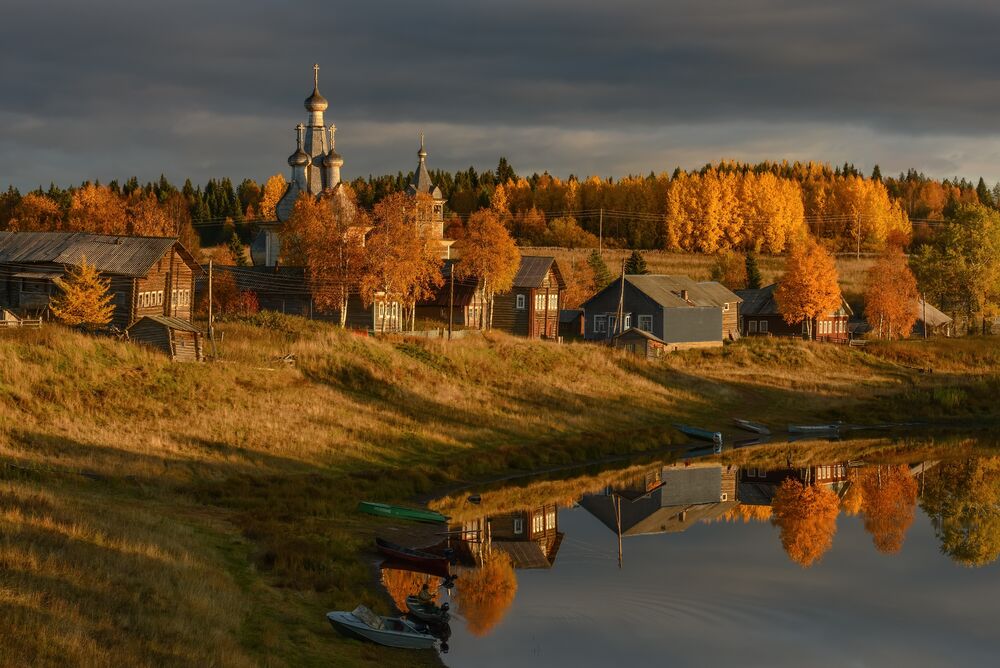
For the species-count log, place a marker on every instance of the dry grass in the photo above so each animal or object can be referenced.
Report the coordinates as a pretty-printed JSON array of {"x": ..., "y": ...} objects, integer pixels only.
[
  {"x": 699, "y": 267},
  {"x": 156, "y": 513}
]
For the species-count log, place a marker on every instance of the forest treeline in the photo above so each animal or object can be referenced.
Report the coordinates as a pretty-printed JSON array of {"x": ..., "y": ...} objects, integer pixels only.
[{"x": 728, "y": 205}]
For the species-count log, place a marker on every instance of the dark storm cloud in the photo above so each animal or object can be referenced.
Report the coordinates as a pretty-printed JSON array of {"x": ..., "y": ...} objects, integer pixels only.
[{"x": 102, "y": 90}]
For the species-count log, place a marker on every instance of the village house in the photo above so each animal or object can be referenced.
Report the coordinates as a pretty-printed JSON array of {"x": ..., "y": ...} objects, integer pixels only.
[
  {"x": 757, "y": 486},
  {"x": 930, "y": 322},
  {"x": 668, "y": 312},
  {"x": 532, "y": 306},
  {"x": 759, "y": 316},
  {"x": 669, "y": 499},
  {"x": 148, "y": 276},
  {"x": 531, "y": 537},
  {"x": 462, "y": 300}
]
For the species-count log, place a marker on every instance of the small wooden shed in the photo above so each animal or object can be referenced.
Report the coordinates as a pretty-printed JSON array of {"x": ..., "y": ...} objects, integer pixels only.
[
  {"x": 641, "y": 343},
  {"x": 177, "y": 338}
]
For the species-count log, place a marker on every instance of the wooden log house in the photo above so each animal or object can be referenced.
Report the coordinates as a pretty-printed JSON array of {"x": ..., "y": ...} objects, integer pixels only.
[
  {"x": 532, "y": 306},
  {"x": 148, "y": 276},
  {"x": 759, "y": 316}
]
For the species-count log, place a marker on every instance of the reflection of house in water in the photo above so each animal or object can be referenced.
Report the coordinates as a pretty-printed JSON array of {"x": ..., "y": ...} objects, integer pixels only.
[
  {"x": 667, "y": 499},
  {"x": 757, "y": 486},
  {"x": 531, "y": 537}
]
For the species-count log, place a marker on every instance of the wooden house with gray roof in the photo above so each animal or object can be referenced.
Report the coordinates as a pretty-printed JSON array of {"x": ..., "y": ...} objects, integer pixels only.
[
  {"x": 675, "y": 310},
  {"x": 148, "y": 276},
  {"x": 760, "y": 316},
  {"x": 531, "y": 308}
]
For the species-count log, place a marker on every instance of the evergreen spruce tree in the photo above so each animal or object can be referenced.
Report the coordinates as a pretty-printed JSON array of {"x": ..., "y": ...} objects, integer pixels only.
[
  {"x": 877, "y": 174},
  {"x": 84, "y": 299},
  {"x": 236, "y": 250},
  {"x": 984, "y": 194},
  {"x": 754, "y": 279},
  {"x": 636, "y": 264},
  {"x": 602, "y": 277}
]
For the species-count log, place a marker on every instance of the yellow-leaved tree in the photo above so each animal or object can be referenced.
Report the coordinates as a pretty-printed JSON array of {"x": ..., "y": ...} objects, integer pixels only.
[
  {"x": 83, "y": 299},
  {"x": 809, "y": 288},
  {"x": 274, "y": 188},
  {"x": 891, "y": 295},
  {"x": 807, "y": 517},
  {"x": 489, "y": 255},
  {"x": 484, "y": 594}
]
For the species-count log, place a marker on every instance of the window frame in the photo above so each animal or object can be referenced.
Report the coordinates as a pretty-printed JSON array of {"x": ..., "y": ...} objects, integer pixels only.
[
  {"x": 601, "y": 324},
  {"x": 645, "y": 318},
  {"x": 520, "y": 302}
]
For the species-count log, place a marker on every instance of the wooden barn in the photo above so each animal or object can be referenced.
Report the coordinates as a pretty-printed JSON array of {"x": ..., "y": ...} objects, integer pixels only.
[
  {"x": 673, "y": 309},
  {"x": 759, "y": 316},
  {"x": 532, "y": 306},
  {"x": 148, "y": 275},
  {"x": 178, "y": 338}
]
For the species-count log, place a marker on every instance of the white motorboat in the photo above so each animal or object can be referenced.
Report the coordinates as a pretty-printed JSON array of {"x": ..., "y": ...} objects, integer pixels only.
[{"x": 389, "y": 631}]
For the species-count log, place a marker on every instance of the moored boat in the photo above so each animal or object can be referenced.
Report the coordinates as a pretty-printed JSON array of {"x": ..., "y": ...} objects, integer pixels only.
[
  {"x": 814, "y": 428},
  {"x": 750, "y": 425},
  {"x": 398, "y": 552},
  {"x": 401, "y": 512},
  {"x": 703, "y": 434},
  {"x": 427, "y": 612},
  {"x": 389, "y": 631}
]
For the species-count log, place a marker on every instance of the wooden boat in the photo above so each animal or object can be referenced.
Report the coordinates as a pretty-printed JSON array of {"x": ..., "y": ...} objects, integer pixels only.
[
  {"x": 750, "y": 425},
  {"x": 439, "y": 570},
  {"x": 703, "y": 434},
  {"x": 408, "y": 554},
  {"x": 814, "y": 428},
  {"x": 400, "y": 512},
  {"x": 427, "y": 612},
  {"x": 389, "y": 631}
]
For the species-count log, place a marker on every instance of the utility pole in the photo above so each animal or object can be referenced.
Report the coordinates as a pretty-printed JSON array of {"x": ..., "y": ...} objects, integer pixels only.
[
  {"x": 620, "y": 325},
  {"x": 211, "y": 329},
  {"x": 600, "y": 233},
  {"x": 858, "y": 256},
  {"x": 923, "y": 301},
  {"x": 451, "y": 300}
]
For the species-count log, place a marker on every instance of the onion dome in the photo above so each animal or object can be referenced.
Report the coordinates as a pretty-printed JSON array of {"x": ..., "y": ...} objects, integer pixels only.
[
  {"x": 300, "y": 157},
  {"x": 316, "y": 102},
  {"x": 333, "y": 158}
]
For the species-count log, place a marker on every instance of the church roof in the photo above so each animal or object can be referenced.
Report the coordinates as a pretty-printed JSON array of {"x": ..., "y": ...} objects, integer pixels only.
[{"x": 421, "y": 182}]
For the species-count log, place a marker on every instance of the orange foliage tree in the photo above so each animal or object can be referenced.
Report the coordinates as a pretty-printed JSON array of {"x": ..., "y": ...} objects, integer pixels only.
[
  {"x": 484, "y": 594},
  {"x": 98, "y": 210},
  {"x": 807, "y": 517},
  {"x": 401, "y": 262},
  {"x": 808, "y": 289},
  {"x": 891, "y": 295},
  {"x": 730, "y": 269},
  {"x": 274, "y": 188},
  {"x": 84, "y": 299},
  {"x": 36, "y": 213},
  {"x": 889, "y": 503},
  {"x": 326, "y": 236},
  {"x": 489, "y": 255}
]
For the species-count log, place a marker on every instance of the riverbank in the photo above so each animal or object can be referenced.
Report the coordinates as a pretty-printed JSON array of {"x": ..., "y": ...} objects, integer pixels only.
[{"x": 166, "y": 514}]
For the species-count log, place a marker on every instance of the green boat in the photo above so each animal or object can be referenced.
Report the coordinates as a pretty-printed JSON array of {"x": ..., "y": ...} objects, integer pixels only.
[
  {"x": 703, "y": 434},
  {"x": 400, "y": 513}
]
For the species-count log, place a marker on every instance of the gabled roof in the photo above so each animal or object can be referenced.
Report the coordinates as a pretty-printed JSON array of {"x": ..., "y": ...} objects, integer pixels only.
[
  {"x": 934, "y": 317},
  {"x": 569, "y": 315},
  {"x": 632, "y": 331},
  {"x": 761, "y": 301},
  {"x": 121, "y": 255},
  {"x": 533, "y": 269},
  {"x": 666, "y": 290}
]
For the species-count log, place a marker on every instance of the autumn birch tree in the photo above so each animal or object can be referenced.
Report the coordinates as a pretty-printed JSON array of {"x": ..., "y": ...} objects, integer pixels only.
[
  {"x": 807, "y": 517},
  {"x": 809, "y": 288},
  {"x": 891, "y": 296},
  {"x": 489, "y": 255}
]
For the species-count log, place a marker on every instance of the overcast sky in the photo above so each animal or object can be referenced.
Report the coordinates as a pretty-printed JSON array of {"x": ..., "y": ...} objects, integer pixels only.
[{"x": 113, "y": 89}]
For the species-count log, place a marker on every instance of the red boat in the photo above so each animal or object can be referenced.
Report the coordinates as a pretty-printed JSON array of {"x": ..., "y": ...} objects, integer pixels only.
[{"x": 427, "y": 562}]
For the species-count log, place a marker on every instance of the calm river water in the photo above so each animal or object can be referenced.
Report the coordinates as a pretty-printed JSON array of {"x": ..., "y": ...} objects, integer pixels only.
[{"x": 874, "y": 561}]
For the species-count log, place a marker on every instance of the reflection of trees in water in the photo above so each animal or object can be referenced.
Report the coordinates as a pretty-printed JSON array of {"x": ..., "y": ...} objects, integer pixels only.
[
  {"x": 400, "y": 584},
  {"x": 962, "y": 498},
  {"x": 807, "y": 517},
  {"x": 888, "y": 501},
  {"x": 484, "y": 594},
  {"x": 747, "y": 513}
]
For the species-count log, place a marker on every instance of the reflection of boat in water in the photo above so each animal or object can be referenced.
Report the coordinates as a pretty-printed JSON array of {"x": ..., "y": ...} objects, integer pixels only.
[
  {"x": 750, "y": 425},
  {"x": 436, "y": 563},
  {"x": 400, "y": 512},
  {"x": 701, "y": 434},
  {"x": 747, "y": 442},
  {"x": 814, "y": 428},
  {"x": 427, "y": 612},
  {"x": 389, "y": 631},
  {"x": 438, "y": 570}
]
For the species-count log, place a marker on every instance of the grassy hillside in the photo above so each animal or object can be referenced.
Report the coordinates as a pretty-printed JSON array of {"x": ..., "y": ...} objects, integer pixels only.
[{"x": 163, "y": 514}]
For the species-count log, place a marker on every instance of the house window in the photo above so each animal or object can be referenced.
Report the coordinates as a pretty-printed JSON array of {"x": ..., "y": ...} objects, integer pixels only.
[
  {"x": 518, "y": 526},
  {"x": 553, "y": 301},
  {"x": 763, "y": 326},
  {"x": 753, "y": 327},
  {"x": 628, "y": 320},
  {"x": 550, "y": 519},
  {"x": 646, "y": 323},
  {"x": 159, "y": 297},
  {"x": 520, "y": 301},
  {"x": 725, "y": 307},
  {"x": 612, "y": 324},
  {"x": 600, "y": 324},
  {"x": 537, "y": 523}
]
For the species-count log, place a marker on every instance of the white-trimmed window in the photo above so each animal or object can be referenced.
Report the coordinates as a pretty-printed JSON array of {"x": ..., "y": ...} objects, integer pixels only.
[
  {"x": 537, "y": 522},
  {"x": 550, "y": 519},
  {"x": 520, "y": 302},
  {"x": 600, "y": 324},
  {"x": 752, "y": 327},
  {"x": 646, "y": 323},
  {"x": 159, "y": 297},
  {"x": 725, "y": 307},
  {"x": 518, "y": 526},
  {"x": 763, "y": 326},
  {"x": 553, "y": 301},
  {"x": 628, "y": 321}
]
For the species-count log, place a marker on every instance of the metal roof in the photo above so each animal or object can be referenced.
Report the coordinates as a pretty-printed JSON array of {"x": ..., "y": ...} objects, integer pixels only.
[
  {"x": 168, "y": 321},
  {"x": 761, "y": 301},
  {"x": 533, "y": 269},
  {"x": 666, "y": 290},
  {"x": 718, "y": 293},
  {"x": 633, "y": 331},
  {"x": 121, "y": 255},
  {"x": 935, "y": 318}
]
